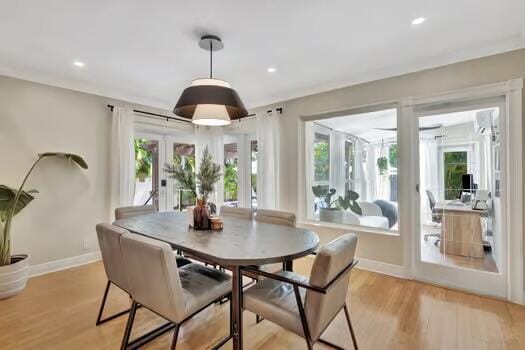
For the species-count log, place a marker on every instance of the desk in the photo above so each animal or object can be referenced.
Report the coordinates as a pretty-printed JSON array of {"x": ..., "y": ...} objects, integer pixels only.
[
  {"x": 241, "y": 243},
  {"x": 461, "y": 232}
]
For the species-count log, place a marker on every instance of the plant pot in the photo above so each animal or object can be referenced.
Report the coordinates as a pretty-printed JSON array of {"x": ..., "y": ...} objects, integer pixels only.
[
  {"x": 331, "y": 215},
  {"x": 13, "y": 277}
]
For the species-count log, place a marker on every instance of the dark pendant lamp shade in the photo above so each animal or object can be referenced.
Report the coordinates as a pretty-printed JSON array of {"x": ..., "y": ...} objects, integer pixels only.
[{"x": 210, "y": 101}]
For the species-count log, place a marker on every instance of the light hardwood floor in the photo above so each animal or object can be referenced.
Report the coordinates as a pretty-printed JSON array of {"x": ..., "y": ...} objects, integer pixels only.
[{"x": 58, "y": 311}]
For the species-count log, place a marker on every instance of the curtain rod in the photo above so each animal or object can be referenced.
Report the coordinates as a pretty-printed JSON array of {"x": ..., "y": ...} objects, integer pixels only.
[
  {"x": 180, "y": 119},
  {"x": 343, "y": 132}
]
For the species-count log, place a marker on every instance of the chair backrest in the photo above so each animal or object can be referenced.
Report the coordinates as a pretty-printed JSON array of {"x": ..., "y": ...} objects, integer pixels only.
[
  {"x": 126, "y": 212},
  {"x": 109, "y": 242},
  {"x": 431, "y": 199},
  {"x": 275, "y": 217},
  {"x": 154, "y": 276},
  {"x": 239, "y": 213},
  {"x": 331, "y": 259}
]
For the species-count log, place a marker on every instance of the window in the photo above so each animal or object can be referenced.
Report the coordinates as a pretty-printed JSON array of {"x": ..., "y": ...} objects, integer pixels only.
[
  {"x": 455, "y": 164},
  {"x": 253, "y": 177},
  {"x": 184, "y": 155},
  {"x": 352, "y": 170},
  {"x": 231, "y": 161},
  {"x": 322, "y": 157}
]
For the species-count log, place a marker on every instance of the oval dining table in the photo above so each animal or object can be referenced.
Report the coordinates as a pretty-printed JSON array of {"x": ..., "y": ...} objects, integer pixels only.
[{"x": 242, "y": 242}]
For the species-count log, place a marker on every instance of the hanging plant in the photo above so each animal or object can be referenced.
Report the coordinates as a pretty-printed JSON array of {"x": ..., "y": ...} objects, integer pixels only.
[{"x": 382, "y": 165}]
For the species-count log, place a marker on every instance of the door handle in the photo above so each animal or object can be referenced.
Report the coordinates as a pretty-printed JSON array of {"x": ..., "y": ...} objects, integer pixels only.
[
  {"x": 417, "y": 188},
  {"x": 163, "y": 182}
]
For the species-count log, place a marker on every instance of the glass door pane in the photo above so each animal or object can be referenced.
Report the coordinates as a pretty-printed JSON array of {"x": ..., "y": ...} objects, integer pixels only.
[
  {"x": 146, "y": 171},
  {"x": 184, "y": 159}
]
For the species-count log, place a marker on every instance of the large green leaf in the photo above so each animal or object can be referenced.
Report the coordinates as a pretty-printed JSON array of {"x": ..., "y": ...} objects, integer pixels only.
[
  {"x": 7, "y": 197},
  {"x": 74, "y": 157}
]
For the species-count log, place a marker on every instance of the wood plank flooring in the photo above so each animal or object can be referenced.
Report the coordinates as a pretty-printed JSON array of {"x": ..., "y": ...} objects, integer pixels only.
[{"x": 58, "y": 311}]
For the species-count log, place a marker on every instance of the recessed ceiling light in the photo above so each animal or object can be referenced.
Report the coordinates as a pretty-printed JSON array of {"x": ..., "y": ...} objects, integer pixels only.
[
  {"x": 418, "y": 20},
  {"x": 78, "y": 63},
  {"x": 271, "y": 70}
]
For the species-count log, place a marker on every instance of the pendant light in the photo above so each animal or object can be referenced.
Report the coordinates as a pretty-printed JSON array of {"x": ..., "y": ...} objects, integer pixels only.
[{"x": 210, "y": 101}]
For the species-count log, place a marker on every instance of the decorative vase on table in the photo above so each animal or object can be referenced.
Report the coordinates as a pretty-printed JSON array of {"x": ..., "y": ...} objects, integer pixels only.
[{"x": 201, "y": 216}]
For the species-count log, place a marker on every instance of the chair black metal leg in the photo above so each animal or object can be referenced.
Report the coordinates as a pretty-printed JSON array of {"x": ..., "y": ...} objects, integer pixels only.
[
  {"x": 175, "y": 336},
  {"x": 352, "y": 333},
  {"x": 129, "y": 325},
  {"x": 103, "y": 305},
  {"x": 304, "y": 321},
  {"x": 330, "y": 344}
]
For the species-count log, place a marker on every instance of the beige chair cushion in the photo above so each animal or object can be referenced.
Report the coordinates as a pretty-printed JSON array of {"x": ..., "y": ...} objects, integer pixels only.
[
  {"x": 159, "y": 285},
  {"x": 275, "y": 217},
  {"x": 276, "y": 301},
  {"x": 239, "y": 213},
  {"x": 126, "y": 212},
  {"x": 109, "y": 243},
  {"x": 331, "y": 259},
  {"x": 201, "y": 285}
]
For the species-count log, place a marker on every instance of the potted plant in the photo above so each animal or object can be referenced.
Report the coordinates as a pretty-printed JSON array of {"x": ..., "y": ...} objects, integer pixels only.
[
  {"x": 202, "y": 184},
  {"x": 382, "y": 165},
  {"x": 349, "y": 201},
  {"x": 14, "y": 268},
  {"x": 327, "y": 212}
]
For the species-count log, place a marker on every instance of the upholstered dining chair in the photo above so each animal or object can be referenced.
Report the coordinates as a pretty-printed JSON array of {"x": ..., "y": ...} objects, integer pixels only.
[
  {"x": 176, "y": 294},
  {"x": 126, "y": 212},
  {"x": 237, "y": 212},
  {"x": 109, "y": 242},
  {"x": 275, "y": 217},
  {"x": 307, "y": 306}
]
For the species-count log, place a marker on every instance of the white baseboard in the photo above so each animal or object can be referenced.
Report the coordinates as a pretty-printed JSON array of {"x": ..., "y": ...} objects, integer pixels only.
[
  {"x": 379, "y": 267},
  {"x": 62, "y": 264},
  {"x": 382, "y": 267}
]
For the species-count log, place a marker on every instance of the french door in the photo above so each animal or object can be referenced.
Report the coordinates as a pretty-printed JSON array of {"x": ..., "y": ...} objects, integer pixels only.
[
  {"x": 460, "y": 157},
  {"x": 152, "y": 184}
]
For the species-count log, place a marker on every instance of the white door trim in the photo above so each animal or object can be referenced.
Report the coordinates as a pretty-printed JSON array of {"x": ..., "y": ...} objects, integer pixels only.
[{"x": 512, "y": 91}]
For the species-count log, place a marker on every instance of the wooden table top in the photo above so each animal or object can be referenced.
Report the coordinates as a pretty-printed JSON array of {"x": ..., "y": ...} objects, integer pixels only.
[
  {"x": 458, "y": 206},
  {"x": 241, "y": 242}
]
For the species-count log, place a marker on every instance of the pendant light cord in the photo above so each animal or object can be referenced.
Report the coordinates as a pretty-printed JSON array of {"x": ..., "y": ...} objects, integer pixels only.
[{"x": 211, "y": 60}]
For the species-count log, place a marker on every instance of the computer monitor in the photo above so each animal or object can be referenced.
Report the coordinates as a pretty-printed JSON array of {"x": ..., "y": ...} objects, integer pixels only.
[
  {"x": 467, "y": 186},
  {"x": 467, "y": 182}
]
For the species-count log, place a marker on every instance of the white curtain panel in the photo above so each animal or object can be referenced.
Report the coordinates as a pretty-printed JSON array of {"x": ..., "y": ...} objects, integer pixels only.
[
  {"x": 371, "y": 171},
  {"x": 429, "y": 177},
  {"x": 268, "y": 140},
  {"x": 337, "y": 162},
  {"x": 213, "y": 138},
  {"x": 122, "y": 158},
  {"x": 244, "y": 190},
  {"x": 361, "y": 180}
]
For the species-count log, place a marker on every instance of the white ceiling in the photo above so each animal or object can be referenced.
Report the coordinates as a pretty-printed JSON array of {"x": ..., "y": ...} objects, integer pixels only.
[
  {"x": 366, "y": 125},
  {"x": 146, "y": 51}
]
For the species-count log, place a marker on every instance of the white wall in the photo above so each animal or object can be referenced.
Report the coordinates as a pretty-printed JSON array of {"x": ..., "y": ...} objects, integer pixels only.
[{"x": 60, "y": 222}]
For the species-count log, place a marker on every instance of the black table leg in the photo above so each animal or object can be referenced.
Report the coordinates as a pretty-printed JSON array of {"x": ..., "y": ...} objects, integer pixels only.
[
  {"x": 288, "y": 265},
  {"x": 237, "y": 307}
]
